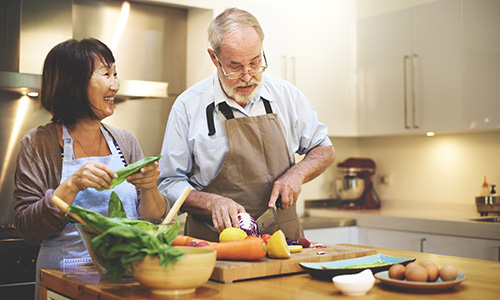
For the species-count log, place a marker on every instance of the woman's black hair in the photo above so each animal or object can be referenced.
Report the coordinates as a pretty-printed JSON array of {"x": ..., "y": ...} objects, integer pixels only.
[{"x": 67, "y": 70}]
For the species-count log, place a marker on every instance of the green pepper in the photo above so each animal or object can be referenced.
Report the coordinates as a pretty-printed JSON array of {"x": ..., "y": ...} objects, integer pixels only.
[{"x": 123, "y": 173}]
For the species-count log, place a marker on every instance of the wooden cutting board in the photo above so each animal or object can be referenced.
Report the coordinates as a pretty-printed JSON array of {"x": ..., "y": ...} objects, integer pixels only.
[{"x": 228, "y": 271}]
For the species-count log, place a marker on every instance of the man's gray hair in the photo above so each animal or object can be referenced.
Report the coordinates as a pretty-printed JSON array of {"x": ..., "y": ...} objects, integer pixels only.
[{"x": 228, "y": 21}]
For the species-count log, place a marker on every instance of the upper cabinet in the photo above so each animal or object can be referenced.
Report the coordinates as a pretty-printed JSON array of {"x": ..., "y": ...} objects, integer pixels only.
[
  {"x": 482, "y": 63},
  {"x": 313, "y": 46},
  {"x": 410, "y": 70}
]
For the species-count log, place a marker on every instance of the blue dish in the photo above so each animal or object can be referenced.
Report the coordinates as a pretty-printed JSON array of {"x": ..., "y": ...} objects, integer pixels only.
[{"x": 327, "y": 270}]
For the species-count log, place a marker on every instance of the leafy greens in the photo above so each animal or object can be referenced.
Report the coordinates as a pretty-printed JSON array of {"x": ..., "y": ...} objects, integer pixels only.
[{"x": 117, "y": 241}]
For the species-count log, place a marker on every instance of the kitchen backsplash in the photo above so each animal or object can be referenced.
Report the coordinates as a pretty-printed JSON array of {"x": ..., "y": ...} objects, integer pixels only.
[{"x": 446, "y": 168}]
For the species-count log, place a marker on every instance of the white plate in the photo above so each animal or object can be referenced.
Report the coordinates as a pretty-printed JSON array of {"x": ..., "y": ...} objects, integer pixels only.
[{"x": 437, "y": 286}]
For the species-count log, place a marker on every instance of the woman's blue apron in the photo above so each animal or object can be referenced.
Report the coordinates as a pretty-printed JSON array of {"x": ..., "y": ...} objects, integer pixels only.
[{"x": 64, "y": 248}]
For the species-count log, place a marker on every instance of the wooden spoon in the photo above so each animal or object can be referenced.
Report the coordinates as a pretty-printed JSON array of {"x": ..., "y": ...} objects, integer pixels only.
[
  {"x": 178, "y": 203},
  {"x": 63, "y": 206}
]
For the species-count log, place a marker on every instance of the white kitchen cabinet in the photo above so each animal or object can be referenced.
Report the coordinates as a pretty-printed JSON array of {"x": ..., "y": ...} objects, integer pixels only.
[
  {"x": 430, "y": 243},
  {"x": 333, "y": 235},
  {"x": 410, "y": 70},
  {"x": 482, "y": 63},
  {"x": 313, "y": 46},
  {"x": 392, "y": 239}
]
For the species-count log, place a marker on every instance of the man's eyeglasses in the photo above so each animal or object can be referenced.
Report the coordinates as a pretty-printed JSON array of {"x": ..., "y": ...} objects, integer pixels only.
[{"x": 251, "y": 72}]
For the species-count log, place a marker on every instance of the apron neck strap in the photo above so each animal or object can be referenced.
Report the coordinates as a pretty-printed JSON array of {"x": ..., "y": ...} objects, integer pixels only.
[
  {"x": 68, "y": 154},
  {"x": 267, "y": 106},
  {"x": 228, "y": 113}
]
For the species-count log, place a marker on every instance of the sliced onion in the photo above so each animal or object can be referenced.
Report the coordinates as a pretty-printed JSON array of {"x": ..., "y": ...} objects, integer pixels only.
[{"x": 247, "y": 223}]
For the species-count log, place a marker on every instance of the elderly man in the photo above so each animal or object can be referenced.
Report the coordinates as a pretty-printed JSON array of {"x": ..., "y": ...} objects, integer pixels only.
[{"x": 232, "y": 137}]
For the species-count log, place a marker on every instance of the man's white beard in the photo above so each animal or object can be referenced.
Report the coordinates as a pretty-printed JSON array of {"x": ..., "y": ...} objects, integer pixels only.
[{"x": 232, "y": 92}]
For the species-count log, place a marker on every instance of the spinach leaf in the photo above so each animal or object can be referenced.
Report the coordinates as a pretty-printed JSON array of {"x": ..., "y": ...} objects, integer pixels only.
[
  {"x": 119, "y": 246},
  {"x": 115, "y": 207},
  {"x": 97, "y": 221},
  {"x": 121, "y": 240},
  {"x": 125, "y": 172}
]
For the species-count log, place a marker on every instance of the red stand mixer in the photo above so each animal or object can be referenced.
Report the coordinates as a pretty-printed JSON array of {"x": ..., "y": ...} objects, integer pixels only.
[{"x": 355, "y": 188}]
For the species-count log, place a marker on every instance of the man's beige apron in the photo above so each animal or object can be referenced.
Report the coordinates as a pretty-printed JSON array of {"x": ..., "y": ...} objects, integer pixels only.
[{"x": 257, "y": 156}]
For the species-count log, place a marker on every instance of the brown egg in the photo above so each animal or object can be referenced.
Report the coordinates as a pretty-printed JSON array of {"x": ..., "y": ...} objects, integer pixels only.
[
  {"x": 416, "y": 273},
  {"x": 448, "y": 272},
  {"x": 397, "y": 271},
  {"x": 431, "y": 268},
  {"x": 411, "y": 265}
]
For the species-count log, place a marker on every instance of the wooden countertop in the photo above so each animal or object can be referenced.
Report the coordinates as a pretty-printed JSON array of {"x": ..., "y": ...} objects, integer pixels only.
[{"x": 482, "y": 283}]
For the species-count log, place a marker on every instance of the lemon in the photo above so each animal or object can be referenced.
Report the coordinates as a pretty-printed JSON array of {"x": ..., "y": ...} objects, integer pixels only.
[
  {"x": 232, "y": 234},
  {"x": 295, "y": 248},
  {"x": 277, "y": 246}
]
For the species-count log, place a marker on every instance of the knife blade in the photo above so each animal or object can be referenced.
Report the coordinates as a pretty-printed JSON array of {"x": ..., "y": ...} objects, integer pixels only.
[{"x": 269, "y": 217}]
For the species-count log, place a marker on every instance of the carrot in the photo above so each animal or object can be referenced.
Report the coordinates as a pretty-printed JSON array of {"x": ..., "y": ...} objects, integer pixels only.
[
  {"x": 251, "y": 248},
  {"x": 184, "y": 240},
  {"x": 248, "y": 249}
]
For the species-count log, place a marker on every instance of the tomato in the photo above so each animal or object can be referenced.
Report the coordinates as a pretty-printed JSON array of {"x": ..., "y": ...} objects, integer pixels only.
[{"x": 266, "y": 237}]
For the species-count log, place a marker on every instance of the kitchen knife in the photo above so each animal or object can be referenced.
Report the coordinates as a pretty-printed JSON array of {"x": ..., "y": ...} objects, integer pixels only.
[{"x": 269, "y": 217}]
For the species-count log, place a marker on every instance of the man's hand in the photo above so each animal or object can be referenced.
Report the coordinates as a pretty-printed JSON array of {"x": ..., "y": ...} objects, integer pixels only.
[
  {"x": 289, "y": 185},
  {"x": 225, "y": 213}
]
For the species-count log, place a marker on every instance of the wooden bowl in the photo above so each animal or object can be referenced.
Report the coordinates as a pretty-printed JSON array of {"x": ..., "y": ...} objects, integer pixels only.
[
  {"x": 87, "y": 234},
  {"x": 180, "y": 278}
]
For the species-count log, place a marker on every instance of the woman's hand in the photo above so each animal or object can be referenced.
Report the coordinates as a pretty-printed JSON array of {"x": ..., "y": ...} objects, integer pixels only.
[
  {"x": 147, "y": 177},
  {"x": 152, "y": 204},
  {"x": 91, "y": 175}
]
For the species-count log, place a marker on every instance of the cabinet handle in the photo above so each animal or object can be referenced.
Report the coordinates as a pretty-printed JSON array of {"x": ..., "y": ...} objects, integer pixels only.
[
  {"x": 414, "y": 90},
  {"x": 405, "y": 91},
  {"x": 422, "y": 244}
]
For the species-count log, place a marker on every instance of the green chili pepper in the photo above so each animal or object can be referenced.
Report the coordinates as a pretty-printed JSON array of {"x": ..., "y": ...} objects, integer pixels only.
[{"x": 123, "y": 173}]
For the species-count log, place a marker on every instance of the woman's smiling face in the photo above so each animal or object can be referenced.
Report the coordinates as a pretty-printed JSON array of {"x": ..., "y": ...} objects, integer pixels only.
[{"x": 103, "y": 86}]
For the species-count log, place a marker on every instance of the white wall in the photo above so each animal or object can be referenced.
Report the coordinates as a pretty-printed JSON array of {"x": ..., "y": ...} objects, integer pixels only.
[
  {"x": 446, "y": 168},
  {"x": 366, "y": 8}
]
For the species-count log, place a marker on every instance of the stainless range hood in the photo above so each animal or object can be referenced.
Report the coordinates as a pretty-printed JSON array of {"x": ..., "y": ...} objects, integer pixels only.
[
  {"x": 151, "y": 62},
  {"x": 24, "y": 84},
  {"x": 148, "y": 41},
  {"x": 148, "y": 54},
  {"x": 20, "y": 83}
]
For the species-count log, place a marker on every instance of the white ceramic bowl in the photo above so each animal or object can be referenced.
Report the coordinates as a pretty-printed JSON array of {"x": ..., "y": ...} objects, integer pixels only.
[
  {"x": 355, "y": 284},
  {"x": 179, "y": 278}
]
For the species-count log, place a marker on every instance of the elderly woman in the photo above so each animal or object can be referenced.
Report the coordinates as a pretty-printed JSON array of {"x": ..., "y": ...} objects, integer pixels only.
[{"x": 76, "y": 155}]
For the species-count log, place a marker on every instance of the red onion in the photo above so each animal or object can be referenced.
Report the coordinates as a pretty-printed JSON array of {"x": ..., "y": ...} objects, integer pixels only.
[
  {"x": 304, "y": 242},
  {"x": 202, "y": 244},
  {"x": 247, "y": 223}
]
